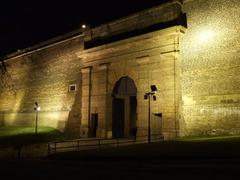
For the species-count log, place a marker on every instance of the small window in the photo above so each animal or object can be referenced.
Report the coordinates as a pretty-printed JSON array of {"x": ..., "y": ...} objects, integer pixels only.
[{"x": 72, "y": 88}]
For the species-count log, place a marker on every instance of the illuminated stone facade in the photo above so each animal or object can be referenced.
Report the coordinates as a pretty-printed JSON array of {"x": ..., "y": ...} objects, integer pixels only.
[
  {"x": 82, "y": 82},
  {"x": 146, "y": 59},
  {"x": 210, "y": 68},
  {"x": 42, "y": 76}
]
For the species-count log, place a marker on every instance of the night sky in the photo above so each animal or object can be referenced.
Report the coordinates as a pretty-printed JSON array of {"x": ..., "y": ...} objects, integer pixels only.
[{"x": 25, "y": 23}]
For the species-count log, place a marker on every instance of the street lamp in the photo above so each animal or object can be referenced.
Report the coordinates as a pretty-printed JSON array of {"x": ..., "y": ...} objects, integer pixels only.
[
  {"x": 36, "y": 109},
  {"x": 148, "y": 96},
  {"x": 84, "y": 26}
]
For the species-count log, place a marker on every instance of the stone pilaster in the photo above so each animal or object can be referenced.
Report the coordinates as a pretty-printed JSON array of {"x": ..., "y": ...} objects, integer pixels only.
[
  {"x": 86, "y": 101},
  {"x": 102, "y": 99}
]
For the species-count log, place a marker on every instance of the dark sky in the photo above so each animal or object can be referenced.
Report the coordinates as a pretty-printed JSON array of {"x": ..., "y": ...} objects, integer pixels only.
[{"x": 25, "y": 23}]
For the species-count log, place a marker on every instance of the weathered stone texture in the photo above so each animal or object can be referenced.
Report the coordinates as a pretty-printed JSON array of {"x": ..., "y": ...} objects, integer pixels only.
[
  {"x": 147, "y": 59},
  {"x": 197, "y": 74},
  {"x": 43, "y": 76},
  {"x": 210, "y": 68}
]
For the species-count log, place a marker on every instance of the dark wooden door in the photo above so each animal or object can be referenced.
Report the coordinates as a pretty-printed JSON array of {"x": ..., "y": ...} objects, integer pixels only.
[
  {"x": 118, "y": 118},
  {"x": 93, "y": 125}
]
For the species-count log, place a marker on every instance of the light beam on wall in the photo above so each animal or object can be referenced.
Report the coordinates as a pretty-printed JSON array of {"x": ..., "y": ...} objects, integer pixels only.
[{"x": 206, "y": 36}]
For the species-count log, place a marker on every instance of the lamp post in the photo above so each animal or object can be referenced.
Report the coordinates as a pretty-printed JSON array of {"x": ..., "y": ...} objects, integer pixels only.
[
  {"x": 36, "y": 108},
  {"x": 148, "y": 96}
]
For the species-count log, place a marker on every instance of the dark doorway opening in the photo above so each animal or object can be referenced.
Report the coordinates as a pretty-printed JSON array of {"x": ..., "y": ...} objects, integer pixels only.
[
  {"x": 93, "y": 125},
  {"x": 124, "y": 114},
  {"x": 133, "y": 116},
  {"x": 118, "y": 118}
]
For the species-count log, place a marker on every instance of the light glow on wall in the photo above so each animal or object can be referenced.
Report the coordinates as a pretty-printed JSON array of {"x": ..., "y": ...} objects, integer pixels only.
[
  {"x": 206, "y": 35},
  {"x": 210, "y": 67}
]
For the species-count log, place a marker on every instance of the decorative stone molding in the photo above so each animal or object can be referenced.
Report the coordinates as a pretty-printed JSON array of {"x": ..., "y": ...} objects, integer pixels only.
[
  {"x": 86, "y": 70},
  {"x": 103, "y": 66},
  {"x": 142, "y": 59}
]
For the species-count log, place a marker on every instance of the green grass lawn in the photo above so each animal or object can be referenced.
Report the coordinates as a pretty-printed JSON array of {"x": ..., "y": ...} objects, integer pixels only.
[
  {"x": 16, "y": 136},
  {"x": 15, "y": 130}
]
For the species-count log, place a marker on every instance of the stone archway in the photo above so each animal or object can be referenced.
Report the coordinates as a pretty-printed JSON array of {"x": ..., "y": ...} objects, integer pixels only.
[{"x": 124, "y": 105}]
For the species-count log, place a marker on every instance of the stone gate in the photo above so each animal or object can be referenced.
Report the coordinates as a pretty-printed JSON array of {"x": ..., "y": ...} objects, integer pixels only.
[{"x": 146, "y": 59}]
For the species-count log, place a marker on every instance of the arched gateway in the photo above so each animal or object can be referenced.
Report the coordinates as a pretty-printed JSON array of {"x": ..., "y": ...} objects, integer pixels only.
[
  {"x": 112, "y": 103},
  {"x": 124, "y": 105}
]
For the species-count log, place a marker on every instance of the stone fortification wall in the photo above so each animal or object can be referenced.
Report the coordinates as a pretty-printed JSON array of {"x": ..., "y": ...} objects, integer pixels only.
[
  {"x": 211, "y": 68},
  {"x": 160, "y": 14},
  {"x": 42, "y": 75}
]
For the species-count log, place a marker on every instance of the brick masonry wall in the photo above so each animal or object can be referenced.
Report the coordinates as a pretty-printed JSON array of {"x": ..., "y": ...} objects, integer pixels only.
[
  {"x": 207, "y": 83},
  {"x": 211, "y": 68},
  {"x": 43, "y": 76}
]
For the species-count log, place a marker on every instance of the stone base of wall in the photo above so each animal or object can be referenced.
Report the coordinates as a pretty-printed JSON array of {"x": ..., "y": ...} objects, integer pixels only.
[
  {"x": 101, "y": 133},
  {"x": 169, "y": 135},
  {"x": 84, "y": 131}
]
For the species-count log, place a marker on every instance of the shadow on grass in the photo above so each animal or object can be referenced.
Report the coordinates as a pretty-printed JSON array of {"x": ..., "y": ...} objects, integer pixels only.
[
  {"x": 159, "y": 151},
  {"x": 19, "y": 136},
  {"x": 23, "y": 139}
]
